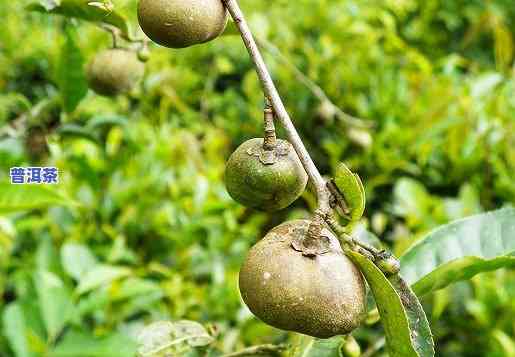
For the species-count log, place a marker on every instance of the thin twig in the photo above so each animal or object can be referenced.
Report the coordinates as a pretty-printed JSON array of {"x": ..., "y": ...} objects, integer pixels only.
[
  {"x": 317, "y": 91},
  {"x": 116, "y": 32},
  {"x": 257, "y": 350},
  {"x": 270, "y": 90}
]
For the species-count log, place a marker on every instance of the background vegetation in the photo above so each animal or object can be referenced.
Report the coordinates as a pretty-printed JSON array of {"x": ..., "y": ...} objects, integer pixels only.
[{"x": 154, "y": 235}]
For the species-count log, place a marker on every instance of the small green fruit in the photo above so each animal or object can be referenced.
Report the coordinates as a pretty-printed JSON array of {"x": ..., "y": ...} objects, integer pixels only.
[
  {"x": 322, "y": 295},
  {"x": 180, "y": 23},
  {"x": 114, "y": 71},
  {"x": 265, "y": 179},
  {"x": 144, "y": 54}
]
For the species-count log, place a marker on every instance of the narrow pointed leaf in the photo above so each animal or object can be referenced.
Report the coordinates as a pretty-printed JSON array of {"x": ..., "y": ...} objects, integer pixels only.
[
  {"x": 351, "y": 187},
  {"x": 15, "y": 330},
  {"x": 23, "y": 328},
  {"x": 421, "y": 335},
  {"x": 392, "y": 312},
  {"x": 54, "y": 300},
  {"x": 460, "y": 250},
  {"x": 70, "y": 74}
]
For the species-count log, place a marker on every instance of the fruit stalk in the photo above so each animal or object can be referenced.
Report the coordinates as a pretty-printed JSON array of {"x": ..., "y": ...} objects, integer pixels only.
[
  {"x": 270, "y": 139},
  {"x": 281, "y": 114}
]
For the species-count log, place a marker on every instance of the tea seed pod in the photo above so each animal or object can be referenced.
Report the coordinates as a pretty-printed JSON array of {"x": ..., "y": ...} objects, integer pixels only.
[
  {"x": 265, "y": 179},
  {"x": 320, "y": 295},
  {"x": 180, "y": 23},
  {"x": 114, "y": 71}
]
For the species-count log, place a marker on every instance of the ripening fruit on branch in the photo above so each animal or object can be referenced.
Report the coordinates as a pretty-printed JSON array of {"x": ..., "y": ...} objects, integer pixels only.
[
  {"x": 320, "y": 295},
  {"x": 114, "y": 71},
  {"x": 181, "y": 23},
  {"x": 265, "y": 179}
]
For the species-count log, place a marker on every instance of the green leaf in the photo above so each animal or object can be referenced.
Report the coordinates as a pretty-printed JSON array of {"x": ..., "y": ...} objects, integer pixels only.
[
  {"x": 231, "y": 29},
  {"x": 363, "y": 235},
  {"x": 23, "y": 330},
  {"x": 46, "y": 255},
  {"x": 132, "y": 287},
  {"x": 351, "y": 187},
  {"x": 77, "y": 344},
  {"x": 411, "y": 199},
  {"x": 460, "y": 250},
  {"x": 54, "y": 301},
  {"x": 393, "y": 316},
  {"x": 77, "y": 131},
  {"x": 164, "y": 337},
  {"x": 77, "y": 260},
  {"x": 421, "y": 335},
  {"x": 101, "y": 275},
  {"x": 50, "y": 4},
  {"x": 14, "y": 328},
  {"x": 314, "y": 347},
  {"x": 506, "y": 342},
  {"x": 93, "y": 11},
  {"x": 71, "y": 78},
  {"x": 101, "y": 121},
  {"x": 26, "y": 197}
]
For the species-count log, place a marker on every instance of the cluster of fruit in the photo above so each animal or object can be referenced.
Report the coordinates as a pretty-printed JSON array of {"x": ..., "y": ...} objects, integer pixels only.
[{"x": 297, "y": 277}]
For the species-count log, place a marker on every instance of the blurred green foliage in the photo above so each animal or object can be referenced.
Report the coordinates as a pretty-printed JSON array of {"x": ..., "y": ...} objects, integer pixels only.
[{"x": 155, "y": 235}]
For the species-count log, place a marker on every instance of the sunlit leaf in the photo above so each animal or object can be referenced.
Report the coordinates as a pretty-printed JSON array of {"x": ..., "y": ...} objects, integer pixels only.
[
  {"x": 23, "y": 328},
  {"x": 460, "y": 250},
  {"x": 101, "y": 275},
  {"x": 485, "y": 84},
  {"x": 15, "y": 330},
  {"x": 54, "y": 300},
  {"x": 25, "y": 197},
  {"x": 506, "y": 342},
  {"x": 77, "y": 260}
]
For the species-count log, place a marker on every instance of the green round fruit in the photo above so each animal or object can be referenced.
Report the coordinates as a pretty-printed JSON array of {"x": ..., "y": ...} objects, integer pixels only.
[
  {"x": 114, "y": 71},
  {"x": 321, "y": 295},
  {"x": 144, "y": 54},
  {"x": 180, "y": 23},
  {"x": 265, "y": 179}
]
